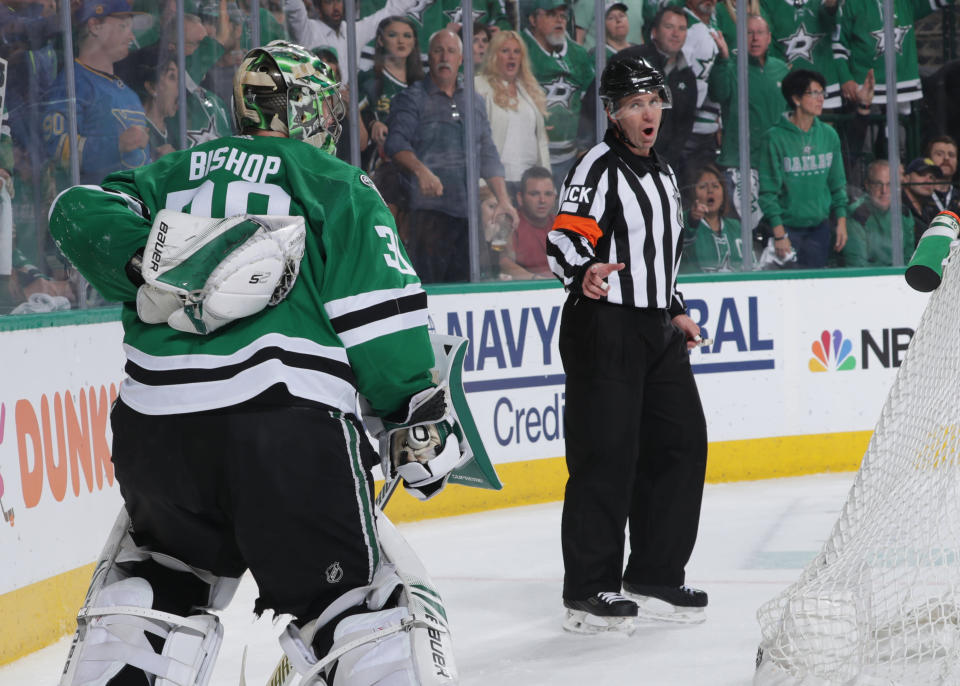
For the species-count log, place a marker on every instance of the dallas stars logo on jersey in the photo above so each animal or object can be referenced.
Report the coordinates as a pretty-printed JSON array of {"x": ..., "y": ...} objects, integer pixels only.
[
  {"x": 800, "y": 45},
  {"x": 419, "y": 7},
  {"x": 456, "y": 15},
  {"x": 899, "y": 34},
  {"x": 559, "y": 92},
  {"x": 207, "y": 133}
]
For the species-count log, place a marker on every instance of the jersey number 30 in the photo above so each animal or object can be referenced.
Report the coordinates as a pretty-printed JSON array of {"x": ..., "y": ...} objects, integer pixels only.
[{"x": 393, "y": 257}]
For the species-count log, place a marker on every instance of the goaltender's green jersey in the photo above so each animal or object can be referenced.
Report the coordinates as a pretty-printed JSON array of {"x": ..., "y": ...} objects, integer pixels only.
[
  {"x": 858, "y": 44},
  {"x": 356, "y": 319},
  {"x": 564, "y": 76},
  {"x": 801, "y": 33}
]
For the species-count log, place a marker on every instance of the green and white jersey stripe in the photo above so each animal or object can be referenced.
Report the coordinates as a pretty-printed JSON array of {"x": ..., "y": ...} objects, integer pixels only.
[
  {"x": 361, "y": 318},
  {"x": 169, "y": 384},
  {"x": 364, "y": 499},
  {"x": 859, "y": 42}
]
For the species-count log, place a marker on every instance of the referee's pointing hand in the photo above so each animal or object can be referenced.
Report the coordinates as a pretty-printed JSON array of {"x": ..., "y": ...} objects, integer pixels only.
[{"x": 594, "y": 281}]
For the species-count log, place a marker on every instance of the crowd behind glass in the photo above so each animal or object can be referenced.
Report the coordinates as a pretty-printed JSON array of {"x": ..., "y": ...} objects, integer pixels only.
[{"x": 470, "y": 147}]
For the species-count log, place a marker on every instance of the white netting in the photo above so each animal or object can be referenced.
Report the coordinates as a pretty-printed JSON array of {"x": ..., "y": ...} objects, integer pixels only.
[{"x": 880, "y": 604}]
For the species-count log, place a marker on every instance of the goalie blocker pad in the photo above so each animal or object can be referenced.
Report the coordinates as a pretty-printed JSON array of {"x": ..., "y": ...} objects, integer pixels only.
[
  {"x": 117, "y": 615},
  {"x": 202, "y": 273}
]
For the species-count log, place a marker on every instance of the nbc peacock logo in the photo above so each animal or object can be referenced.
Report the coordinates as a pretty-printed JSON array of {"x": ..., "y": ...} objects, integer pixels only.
[{"x": 832, "y": 352}]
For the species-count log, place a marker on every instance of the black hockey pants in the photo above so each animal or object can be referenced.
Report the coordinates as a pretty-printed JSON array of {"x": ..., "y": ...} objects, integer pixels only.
[{"x": 282, "y": 490}]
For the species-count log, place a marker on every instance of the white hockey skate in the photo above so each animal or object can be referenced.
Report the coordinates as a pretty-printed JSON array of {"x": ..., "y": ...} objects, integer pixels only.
[
  {"x": 677, "y": 604},
  {"x": 601, "y": 613}
]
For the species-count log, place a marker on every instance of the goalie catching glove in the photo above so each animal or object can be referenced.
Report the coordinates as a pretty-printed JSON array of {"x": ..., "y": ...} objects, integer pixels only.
[
  {"x": 424, "y": 448},
  {"x": 200, "y": 273}
]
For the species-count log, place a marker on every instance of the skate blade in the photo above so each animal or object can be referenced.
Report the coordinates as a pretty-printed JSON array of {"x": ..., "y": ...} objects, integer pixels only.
[
  {"x": 579, "y": 622},
  {"x": 656, "y": 610}
]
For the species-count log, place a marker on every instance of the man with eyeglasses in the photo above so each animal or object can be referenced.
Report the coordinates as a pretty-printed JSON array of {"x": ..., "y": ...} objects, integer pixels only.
[
  {"x": 564, "y": 70},
  {"x": 869, "y": 242},
  {"x": 764, "y": 75},
  {"x": 427, "y": 139},
  {"x": 802, "y": 181},
  {"x": 636, "y": 437}
]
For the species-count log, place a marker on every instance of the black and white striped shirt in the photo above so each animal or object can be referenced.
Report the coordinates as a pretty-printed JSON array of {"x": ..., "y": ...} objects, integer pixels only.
[{"x": 616, "y": 206}]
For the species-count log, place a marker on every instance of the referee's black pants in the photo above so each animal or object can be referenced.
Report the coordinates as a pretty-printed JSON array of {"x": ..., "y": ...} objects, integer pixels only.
[{"x": 636, "y": 445}]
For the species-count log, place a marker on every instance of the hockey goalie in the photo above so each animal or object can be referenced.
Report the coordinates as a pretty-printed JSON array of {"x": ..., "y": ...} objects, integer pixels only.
[{"x": 264, "y": 293}]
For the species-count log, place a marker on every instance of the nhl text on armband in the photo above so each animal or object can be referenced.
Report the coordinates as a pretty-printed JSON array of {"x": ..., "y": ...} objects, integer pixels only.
[{"x": 254, "y": 168}]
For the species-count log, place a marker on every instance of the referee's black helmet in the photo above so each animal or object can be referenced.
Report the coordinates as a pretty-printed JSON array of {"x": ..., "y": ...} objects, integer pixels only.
[{"x": 626, "y": 76}]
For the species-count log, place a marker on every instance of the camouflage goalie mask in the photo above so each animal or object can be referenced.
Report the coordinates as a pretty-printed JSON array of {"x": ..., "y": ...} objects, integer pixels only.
[{"x": 283, "y": 87}]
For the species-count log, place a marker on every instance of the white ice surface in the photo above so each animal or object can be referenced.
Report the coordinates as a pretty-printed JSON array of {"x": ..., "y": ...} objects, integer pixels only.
[{"x": 500, "y": 575}]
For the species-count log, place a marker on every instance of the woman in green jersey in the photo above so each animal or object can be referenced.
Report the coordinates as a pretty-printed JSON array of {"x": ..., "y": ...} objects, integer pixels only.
[
  {"x": 711, "y": 238},
  {"x": 802, "y": 182}
]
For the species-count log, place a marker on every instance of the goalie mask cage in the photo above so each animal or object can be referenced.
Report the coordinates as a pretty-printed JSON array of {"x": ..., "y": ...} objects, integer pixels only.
[{"x": 880, "y": 604}]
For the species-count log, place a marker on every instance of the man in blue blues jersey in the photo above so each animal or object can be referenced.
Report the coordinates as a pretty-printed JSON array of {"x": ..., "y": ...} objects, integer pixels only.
[{"x": 112, "y": 129}]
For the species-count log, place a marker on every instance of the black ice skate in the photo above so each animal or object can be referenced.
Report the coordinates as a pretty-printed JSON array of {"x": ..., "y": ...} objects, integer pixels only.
[
  {"x": 603, "y": 612},
  {"x": 680, "y": 604}
]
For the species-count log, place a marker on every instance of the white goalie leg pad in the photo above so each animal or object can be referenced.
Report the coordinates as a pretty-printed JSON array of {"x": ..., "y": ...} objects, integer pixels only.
[
  {"x": 408, "y": 645},
  {"x": 431, "y": 643},
  {"x": 117, "y": 615},
  {"x": 383, "y": 662}
]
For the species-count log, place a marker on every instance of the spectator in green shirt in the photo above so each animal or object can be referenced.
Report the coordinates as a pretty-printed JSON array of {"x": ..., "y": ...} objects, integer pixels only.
[
  {"x": 711, "y": 239},
  {"x": 764, "y": 74},
  {"x": 869, "y": 241},
  {"x": 802, "y": 181}
]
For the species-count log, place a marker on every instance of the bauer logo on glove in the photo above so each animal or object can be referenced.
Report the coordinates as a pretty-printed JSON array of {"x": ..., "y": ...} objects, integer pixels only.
[{"x": 202, "y": 273}]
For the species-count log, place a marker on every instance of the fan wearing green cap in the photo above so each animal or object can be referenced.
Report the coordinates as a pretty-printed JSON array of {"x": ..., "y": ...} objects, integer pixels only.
[
  {"x": 564, "y": 70},
  {"x": 263, "y": 290}
]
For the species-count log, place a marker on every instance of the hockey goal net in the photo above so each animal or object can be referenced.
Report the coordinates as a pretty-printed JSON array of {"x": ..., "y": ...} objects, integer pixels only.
[{"x": 880, "y": 604}]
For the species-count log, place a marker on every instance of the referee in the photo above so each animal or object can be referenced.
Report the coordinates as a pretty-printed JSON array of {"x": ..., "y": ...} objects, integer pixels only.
[{"x": 636, "y": 438}]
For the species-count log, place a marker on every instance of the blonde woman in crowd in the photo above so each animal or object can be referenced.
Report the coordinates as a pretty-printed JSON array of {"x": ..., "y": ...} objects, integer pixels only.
[{"x": 516, "y": 105}]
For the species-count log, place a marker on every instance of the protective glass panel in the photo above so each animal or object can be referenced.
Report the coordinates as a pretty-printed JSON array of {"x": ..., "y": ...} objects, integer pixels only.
[{"x": 38, "y": 156}]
